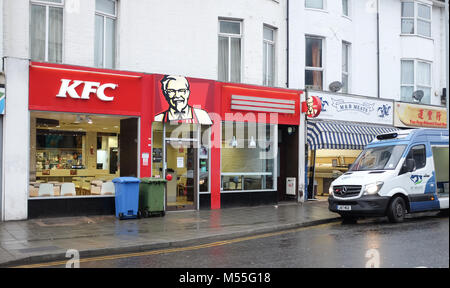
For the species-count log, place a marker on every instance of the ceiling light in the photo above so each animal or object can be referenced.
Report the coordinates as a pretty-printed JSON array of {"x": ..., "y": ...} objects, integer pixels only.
[
  {"x": 233, "y": 142},
  {"x": 252, "y": 143},
  {"x": 89, "y": 120}
]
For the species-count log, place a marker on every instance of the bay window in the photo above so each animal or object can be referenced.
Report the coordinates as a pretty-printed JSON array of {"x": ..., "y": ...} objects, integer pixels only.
[
  {"x": 416, "y": 19},
  {"x": 415, "y": 75}
]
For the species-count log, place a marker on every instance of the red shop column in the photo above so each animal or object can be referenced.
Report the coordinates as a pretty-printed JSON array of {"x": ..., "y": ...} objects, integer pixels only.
[{"x": 216, "y": 131}]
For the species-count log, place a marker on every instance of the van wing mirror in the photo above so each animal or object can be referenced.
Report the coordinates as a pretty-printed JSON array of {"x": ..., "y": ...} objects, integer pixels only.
[{"x": 409, "y": 166}]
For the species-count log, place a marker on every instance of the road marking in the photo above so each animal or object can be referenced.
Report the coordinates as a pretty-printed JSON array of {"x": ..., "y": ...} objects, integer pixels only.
[{"x": 181, "y": 249}]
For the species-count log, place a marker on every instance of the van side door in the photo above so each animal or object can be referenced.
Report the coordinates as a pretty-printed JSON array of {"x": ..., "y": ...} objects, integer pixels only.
[{"x": 420, "y": 196}]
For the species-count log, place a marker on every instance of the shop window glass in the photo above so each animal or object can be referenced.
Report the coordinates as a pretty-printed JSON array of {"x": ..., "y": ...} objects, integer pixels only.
[
  {"x": 73, "y": 155},
  {"x": 248, "y": 156}
]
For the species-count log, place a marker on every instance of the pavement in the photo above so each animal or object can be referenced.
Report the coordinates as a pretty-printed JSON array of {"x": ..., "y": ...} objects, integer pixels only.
[{"x": 46, "y": 240}]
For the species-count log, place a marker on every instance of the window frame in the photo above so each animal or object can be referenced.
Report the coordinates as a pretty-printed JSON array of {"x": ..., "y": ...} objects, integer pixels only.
[
  {"x": 229, "y": 36},
  {"x": 416, "y": 18},
  {"x": 47, "y": 5},
  {"x": 317, "y": 69},
  {"x": 268, "y": 42},
  {"x": 106, "y": 16},
  {"x": 415, "y": 85}
]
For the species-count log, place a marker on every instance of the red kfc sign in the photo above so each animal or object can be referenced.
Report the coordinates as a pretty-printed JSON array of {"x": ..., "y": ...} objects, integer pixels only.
[
  {"x": 68, "y": 88},
  {"x": 73, "y": 89},
  {"x": 312, "y": 107}
]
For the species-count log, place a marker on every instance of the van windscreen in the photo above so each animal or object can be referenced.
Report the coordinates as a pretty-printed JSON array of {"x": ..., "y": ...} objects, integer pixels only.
[{"x": 379, "y": 158}]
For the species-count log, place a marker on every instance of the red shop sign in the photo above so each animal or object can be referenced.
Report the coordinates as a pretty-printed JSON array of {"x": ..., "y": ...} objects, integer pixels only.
[
  {"x": 65, "y": 88},
  {"x": 312, "y": 107}
]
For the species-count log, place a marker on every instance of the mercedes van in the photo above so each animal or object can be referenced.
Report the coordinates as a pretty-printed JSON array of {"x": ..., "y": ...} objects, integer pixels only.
[{"x": 397, "y": 173}]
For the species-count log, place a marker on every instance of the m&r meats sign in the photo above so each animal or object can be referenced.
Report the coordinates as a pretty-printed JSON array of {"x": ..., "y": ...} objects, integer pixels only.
[{"x": 342, "y": 107}]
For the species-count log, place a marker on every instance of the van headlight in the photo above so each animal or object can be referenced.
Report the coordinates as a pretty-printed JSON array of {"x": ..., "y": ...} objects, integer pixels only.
[
  {"x": 372, "y": 188},
  {"x": 330, "y": 190}
]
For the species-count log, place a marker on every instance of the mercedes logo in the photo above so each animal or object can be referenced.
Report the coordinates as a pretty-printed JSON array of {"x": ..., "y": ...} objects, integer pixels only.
[{"x": 342, "y": 191}]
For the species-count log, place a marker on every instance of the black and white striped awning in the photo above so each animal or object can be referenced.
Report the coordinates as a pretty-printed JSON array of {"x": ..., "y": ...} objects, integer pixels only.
[{"x": 342, "y": 135}]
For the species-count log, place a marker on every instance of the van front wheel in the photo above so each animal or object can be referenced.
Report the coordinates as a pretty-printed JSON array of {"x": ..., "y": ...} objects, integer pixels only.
[{"x": 396, "y": 211}]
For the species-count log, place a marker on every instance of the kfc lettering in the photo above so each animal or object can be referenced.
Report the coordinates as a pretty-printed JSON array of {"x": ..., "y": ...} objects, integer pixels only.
[{"x": 68, "y": 87}]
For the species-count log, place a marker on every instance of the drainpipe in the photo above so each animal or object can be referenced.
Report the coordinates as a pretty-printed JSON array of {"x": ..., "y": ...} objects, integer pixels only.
[
  {"x": 446, "y": 56},
  {"x": 378, "y": 49},
  {"x": 287, "y": 43}
]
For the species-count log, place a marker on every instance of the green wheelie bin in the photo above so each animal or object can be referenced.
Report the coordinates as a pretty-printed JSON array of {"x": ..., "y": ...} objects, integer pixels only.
[{"x": 152, "y": 196}]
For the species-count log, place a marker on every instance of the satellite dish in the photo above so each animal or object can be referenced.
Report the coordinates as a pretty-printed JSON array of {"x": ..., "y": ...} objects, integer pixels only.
[
  {"x": 418, "y": 95},
  {"x": 335, "y": 86}
]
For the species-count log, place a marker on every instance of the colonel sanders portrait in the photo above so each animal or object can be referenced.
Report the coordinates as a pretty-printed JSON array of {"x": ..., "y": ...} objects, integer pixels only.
[{"x": 176, "y": 90}]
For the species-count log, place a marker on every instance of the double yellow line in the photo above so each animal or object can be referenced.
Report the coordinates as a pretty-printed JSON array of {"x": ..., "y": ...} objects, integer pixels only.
[{"x": 173, "y": 250}]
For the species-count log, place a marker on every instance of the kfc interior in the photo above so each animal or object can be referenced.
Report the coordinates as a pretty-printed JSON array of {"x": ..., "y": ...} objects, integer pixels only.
[{"x": 74, "y": 155}]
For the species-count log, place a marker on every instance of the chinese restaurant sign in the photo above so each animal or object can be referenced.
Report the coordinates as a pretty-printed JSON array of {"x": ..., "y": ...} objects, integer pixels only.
[{"x": 414, "y": 115}]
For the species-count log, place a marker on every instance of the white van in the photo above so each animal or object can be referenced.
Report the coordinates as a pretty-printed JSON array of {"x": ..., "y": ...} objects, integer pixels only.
[{"x": 397, "y": 173}]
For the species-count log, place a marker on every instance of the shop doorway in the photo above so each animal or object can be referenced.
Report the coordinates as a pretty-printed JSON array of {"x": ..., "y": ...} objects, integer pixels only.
[
  {"x": 128, "y": 147},
  {"x": 177, "y": 156},
  {"x": 287, "y": 163},
  {"x": 182, "y": 162}
]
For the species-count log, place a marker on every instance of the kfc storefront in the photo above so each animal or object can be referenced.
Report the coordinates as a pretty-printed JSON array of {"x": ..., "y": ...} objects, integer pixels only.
[
  {"x": 85, "y": 130},
  {"x": 217, "y": 144}
]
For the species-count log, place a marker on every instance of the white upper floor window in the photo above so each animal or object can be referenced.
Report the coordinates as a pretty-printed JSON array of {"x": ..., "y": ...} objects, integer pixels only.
[
  {"x": 415, "y": 76},
  {"x": 345, "y": 66},
  {"x": 46, "y": 30},
  {"x": 315, "y": 4},
  {"x": 314, "y": 66},
  {"x": 416, "y": 19},
  {"x": 346, "y": 8},
  {"x": 230, "y": 36},
  {"x": 105, "y": 33},
  {"x": 268, "y": 56}
]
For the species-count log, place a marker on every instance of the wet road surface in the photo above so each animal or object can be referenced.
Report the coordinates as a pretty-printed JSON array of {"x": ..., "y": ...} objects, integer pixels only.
[{"x": 418, "y": 242}]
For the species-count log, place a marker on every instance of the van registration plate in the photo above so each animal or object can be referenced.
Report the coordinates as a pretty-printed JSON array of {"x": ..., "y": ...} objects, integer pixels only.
[{"x": 344, "y": 207}]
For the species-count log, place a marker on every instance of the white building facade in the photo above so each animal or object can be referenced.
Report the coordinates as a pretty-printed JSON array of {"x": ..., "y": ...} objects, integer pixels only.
[
  {"x": 384, "y": 49},
  {"x": 231, "y": 41},
  {"x": 378, "y": 47},
  {"x": 351, "y": 52}
]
